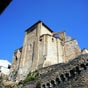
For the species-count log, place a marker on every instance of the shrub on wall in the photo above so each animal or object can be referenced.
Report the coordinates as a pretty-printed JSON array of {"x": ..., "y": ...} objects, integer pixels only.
[{"x": 30, "y": 77}]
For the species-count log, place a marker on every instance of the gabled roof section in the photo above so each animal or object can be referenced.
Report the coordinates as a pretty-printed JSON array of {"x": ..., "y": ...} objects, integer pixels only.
[{"x": 32, "y": 27}]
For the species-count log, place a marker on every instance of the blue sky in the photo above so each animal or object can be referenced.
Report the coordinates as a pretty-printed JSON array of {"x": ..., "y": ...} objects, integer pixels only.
[{"x": 68, "y": 15}]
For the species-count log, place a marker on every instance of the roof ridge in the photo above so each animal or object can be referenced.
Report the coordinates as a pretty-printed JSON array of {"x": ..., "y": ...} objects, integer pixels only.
[{"x": 38, "y": 23}]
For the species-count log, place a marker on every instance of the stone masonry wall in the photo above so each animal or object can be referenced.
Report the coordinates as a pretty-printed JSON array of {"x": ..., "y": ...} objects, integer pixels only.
[
  {"x": 28, "y": 53},
  {"x": 42, "y": 48},
  {"x": 71, "y": 75},
  {"x": 51, "y": 51},
  {"x": 15, "y": 64},
  {"x": 33, "y": 52},
  {"x": 71, "y": 50}
]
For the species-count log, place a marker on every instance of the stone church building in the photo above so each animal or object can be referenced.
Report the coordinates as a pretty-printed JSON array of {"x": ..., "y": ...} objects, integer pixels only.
[{"x": 42, "y": 47}]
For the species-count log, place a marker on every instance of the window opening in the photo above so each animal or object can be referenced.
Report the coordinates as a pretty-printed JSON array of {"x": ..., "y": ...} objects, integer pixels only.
[
  {"x": 53, "y": 83},
  {"x": 57, "y": 80},
  {"x": 62, "y": 77}
]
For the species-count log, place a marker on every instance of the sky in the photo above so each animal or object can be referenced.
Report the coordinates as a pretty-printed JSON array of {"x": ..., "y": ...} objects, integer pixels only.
[{"x": 70, "y": 16}]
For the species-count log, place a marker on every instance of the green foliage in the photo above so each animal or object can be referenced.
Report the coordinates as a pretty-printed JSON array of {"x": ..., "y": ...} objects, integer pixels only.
[
  {"x": 30, "y": 77},
  {"x": 15, "y": 72},
  {"x": 1, "y": 79},
  {"x": 38, "y": 84},
  {"x": 1, "y": 86}
]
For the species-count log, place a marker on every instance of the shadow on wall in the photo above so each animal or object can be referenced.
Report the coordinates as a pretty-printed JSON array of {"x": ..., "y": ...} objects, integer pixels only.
[{"x": 71, "y": 74}]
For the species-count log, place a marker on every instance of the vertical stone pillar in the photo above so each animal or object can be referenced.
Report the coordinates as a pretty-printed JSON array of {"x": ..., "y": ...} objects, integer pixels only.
[
  {"x": 38, "y": 38},
  {"x": 57, "y": 50}
]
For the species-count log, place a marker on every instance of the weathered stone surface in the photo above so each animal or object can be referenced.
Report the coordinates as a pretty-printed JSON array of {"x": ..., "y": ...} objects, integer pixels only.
[
  {"x": 42, "y": 48},
  {"x": 71, "y": 75}
]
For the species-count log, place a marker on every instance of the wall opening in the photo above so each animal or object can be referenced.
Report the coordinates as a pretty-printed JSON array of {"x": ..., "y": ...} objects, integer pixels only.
[
  {"x": 44, "y": 86},
  {"x": 52, "y": 39},
  {"x": 40, "y": 40},
  {"x": 77, "y": 70},
  {"x": 57, "y": 80},
  {"x": 72, "y": 72},
  {"x": 30, "y": 46},
  {"x": 86, "y": 64},
  {"x": 67, "y": 76},
  {"x": 9, "y": 66},
  {"x": 16, "y": 58},
  {"x": 53, "y": 83},
  {"x": 62, "y": 77},
  {"x": 83, "y": 66},
  {"x": 56, "y": 35},
  {"x": 48, "y": 85}
]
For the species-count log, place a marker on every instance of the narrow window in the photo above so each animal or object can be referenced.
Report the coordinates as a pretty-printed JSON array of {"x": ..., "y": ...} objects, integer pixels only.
[
  {"x": 9, "y": 66},
  {"x": 16, "y": 58},
  {"x": 40, "y": 40},
  {"x": 30, "y": 46},
  {"x": 52, "y": 39}
]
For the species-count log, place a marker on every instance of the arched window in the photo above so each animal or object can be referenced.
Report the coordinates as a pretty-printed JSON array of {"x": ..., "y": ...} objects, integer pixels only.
[
  {"x": 44, "y": 86},
  {"x": 62, "y": 77},
  {"x": 83, "y": 66},
  {"x": 57, "y": 80},
  {"x": 48, "y": 85},
  {"x": 77, "y": 70},
  {"x": 72, "y": 72},
  {"x": 67, "y": 76},
  {"x": 53, "y": 83},
  {"x": 56, "y": 35}
]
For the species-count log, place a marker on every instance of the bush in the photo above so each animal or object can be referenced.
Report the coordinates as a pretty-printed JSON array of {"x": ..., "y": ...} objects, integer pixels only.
[
  {"x": 30, "y": 77},
  {"x": 1, "y": 79},
  {"x": 38, "y": 84}
]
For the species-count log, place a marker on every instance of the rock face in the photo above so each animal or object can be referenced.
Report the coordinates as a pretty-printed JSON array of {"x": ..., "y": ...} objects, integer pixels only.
[{"x": 42, "y": 47}]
